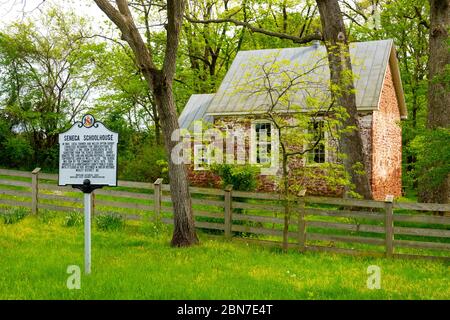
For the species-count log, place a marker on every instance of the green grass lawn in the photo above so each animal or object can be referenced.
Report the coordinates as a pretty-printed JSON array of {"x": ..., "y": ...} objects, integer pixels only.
[{"x": 138, "y": 263}]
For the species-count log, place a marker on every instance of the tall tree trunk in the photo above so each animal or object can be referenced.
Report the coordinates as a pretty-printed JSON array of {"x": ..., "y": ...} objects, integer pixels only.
[
  {"x": 160, "y": 83},
  {"x": 340, "y": 68},
  {"x": 157, "y": 125},
  {"x": 438, "y": 92},
  {"x": 439, "y": 59},
  {"x": 184, "y": 232}
]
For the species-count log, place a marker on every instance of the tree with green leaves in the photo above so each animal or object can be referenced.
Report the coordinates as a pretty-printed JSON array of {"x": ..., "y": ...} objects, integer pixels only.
[
  {"x": 343, "y": 90},
  {"x": 304, "y": 122},
  {"x": 438, "y": 119},
  {"x": 407, "y": 23},
  {"x": 47, "y": 75},
  {"x": 208, "y": 48},
  {"x": 336, "y": 42},
  {"x": 160, "y": 83},
  {"x": 125, "y": 92}
]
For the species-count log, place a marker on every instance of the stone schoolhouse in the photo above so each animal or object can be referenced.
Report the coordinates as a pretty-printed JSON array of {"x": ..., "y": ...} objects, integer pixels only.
[{"x": 380, "y": 103}]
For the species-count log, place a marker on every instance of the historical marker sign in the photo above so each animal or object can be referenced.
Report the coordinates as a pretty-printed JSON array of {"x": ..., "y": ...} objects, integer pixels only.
[
  {"x": 88, "y": 161},
  {"x": 88, "y": 150}
]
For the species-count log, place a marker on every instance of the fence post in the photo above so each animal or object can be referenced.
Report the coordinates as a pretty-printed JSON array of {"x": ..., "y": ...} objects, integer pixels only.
[
  {"x": 228, "y": 210},
  {"x": 389, "y": 225},
  {"x": 302, "y": 223},
  {"x": 157, "y": 198},
  {"x": 35, "y": 190}
]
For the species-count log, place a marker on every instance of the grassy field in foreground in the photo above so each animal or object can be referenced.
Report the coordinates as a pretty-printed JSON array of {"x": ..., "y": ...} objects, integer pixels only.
[{"x": 138, "y": 263}]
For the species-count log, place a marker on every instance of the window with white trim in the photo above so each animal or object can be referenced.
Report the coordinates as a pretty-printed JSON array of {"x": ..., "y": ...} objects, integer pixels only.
[
  {"x": 262, "y": 135},
  {"x": 201, "y": 157},
  {"x": 318, "y": 153}
]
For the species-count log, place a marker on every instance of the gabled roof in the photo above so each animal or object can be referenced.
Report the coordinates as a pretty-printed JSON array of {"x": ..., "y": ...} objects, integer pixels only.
[
  {"x": 369, "y": 63},
  {"x": 195, "y": 109}
]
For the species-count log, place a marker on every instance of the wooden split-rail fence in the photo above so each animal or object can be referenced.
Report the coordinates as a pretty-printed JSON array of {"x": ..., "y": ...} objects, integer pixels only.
[{"x": 360, "y": 227}]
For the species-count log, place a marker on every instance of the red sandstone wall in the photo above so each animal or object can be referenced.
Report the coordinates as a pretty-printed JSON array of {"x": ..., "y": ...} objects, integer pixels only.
[
  {"x": 386, "y": 144},
  {"x": 309, "y": 177},
  {"x": 365, "y": 129}
]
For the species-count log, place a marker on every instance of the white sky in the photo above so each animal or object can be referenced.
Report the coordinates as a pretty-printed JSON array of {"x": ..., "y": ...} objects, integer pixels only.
[{"x": 13, "y": 10}]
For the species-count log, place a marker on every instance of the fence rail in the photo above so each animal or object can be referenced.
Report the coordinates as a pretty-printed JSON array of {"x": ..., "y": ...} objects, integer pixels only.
[{"x": 315, "y": 223}]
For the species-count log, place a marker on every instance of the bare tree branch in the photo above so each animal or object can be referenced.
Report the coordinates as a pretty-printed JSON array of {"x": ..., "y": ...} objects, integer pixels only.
[
  {"x": 111, "y": 12},
  {"x": 129, "y": 32},
  {"x": 355, "y": 10},
  {"x": 295, "y": 39}
]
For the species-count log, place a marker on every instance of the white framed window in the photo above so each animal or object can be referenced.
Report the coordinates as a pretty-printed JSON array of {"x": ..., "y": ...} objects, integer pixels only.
[
  {"x": 201, "y": 157},
  {"x": 263, "y": 144},
  {"x": 319, "y": 148}
]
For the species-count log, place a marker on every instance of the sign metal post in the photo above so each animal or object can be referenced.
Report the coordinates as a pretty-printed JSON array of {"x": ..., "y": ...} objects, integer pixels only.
[
  {"x": 87, "y": 189},
  {"x": 87, "y": 232},
  {"x": 88, "y": 161}
]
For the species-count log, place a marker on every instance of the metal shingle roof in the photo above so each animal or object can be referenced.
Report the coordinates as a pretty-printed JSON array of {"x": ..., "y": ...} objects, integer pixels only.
[
  {"x": 369, "y": 63},
  {"x": 194, "y": 110}
]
